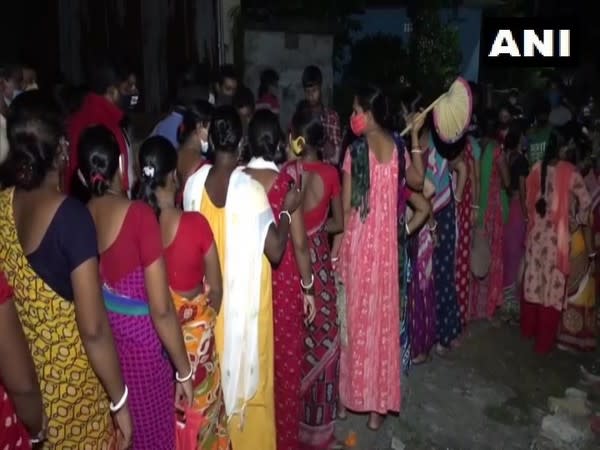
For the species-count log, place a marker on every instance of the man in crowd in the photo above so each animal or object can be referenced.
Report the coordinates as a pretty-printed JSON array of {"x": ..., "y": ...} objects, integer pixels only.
[
  {"x": 111, "y": 93},
  {"x": 11, "y": 82},
  {"x": 312, "y": 82},
  {"x": 225, "y": 87}
]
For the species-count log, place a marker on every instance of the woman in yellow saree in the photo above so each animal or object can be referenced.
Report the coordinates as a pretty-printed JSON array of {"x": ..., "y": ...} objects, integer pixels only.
[
  {"x": 48, "y": 251},
  {"x": 238, "y": 211}
]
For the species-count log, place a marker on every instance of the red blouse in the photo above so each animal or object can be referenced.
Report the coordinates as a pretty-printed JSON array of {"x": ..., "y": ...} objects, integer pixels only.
[
  {"x": 317, "y": 216},
  {"x": 138, "y": 244},
  {"x": 185, "y": 254}
]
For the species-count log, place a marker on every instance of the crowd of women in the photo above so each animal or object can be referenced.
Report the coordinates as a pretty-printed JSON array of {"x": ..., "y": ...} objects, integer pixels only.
[{"x": 241, "y": 279}]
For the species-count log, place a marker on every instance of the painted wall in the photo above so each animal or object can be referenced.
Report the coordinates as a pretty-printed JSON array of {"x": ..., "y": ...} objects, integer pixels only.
[
  {"x": 264, "y": 49},
  {"x": 395, "y": 21}
]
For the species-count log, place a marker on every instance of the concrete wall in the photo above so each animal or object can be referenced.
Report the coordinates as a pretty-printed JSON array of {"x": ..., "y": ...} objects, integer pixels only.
[{"x": 263, "y": 49}]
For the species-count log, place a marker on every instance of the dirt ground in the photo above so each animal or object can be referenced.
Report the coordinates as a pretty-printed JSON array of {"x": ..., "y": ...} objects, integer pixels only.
[{"x": 490, "y": 394}]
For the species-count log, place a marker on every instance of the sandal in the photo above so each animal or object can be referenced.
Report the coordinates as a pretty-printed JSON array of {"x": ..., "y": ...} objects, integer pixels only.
[{"x": 591, "y": 372}]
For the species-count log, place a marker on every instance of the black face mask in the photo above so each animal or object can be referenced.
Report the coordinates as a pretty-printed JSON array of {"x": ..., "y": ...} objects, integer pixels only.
[{"x": 129, "y": 102}]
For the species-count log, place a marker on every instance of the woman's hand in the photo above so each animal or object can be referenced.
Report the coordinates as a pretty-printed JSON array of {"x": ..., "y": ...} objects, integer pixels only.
[
  {"x": 184, "y": 393},
  {"x": 293, "y": 199},
  {"x": 309, "y": 308},
  {"x": 41, "y": 436},
  {"x": 123, "y": 427}
]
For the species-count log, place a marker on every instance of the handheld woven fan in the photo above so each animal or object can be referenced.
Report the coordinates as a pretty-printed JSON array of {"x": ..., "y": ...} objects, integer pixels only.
[{"x": 451, "y": 112}]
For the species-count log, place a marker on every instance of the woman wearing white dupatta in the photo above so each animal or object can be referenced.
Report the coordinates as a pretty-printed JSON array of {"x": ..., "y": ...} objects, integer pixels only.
[{"x": 237, "y": 208}]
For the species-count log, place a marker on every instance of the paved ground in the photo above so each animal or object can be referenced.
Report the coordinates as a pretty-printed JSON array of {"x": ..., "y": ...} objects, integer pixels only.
[{"x": 491, "y": 394}]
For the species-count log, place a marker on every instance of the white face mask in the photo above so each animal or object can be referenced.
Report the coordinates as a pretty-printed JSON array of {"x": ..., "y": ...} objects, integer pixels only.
[{"x": 203, "y": 146}]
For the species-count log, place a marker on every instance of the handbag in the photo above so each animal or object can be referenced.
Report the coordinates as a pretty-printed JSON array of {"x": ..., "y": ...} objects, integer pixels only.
[
  {"x": 188, "y": 424},
  {"x": 481, "y": 255}
]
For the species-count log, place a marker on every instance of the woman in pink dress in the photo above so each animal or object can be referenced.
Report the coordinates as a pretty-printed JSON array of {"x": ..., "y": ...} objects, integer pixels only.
[
  {"x": 374, "y": 202},
  {"x": 558, "y": 204}
]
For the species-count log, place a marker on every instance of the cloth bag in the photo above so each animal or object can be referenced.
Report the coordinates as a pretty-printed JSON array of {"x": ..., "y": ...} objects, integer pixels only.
[
  {"x": 481, "y": 255},
  {"x": 188, "y": 424}
]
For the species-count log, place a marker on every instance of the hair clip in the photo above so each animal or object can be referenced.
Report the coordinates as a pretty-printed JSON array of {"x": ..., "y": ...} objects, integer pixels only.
[
  {"x": 148, "y": 171},
  {"x": 97, "y": 177}
]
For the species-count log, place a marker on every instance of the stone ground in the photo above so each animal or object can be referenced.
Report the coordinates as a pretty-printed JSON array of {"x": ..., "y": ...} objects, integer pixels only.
[{"x": 490, "y": 394}]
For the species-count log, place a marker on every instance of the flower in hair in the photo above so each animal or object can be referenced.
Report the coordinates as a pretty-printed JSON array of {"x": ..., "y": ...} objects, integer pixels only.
[{"x": 148, "y": 171}]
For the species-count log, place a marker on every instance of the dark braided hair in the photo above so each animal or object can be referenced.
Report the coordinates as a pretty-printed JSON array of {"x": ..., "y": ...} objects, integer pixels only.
[
  {"x": 158, "y": 159},
  {"x": 99, "y": 155},
  {"x": 370, "y": 99},
  {"x": 555, "y": 142}
]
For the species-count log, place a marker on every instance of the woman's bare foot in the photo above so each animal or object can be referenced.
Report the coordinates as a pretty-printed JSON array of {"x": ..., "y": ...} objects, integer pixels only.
[
  {"x": 375, "y": 421},
  {"x": 342, "y": 413},
  {"x": 456, "y": 343},
  {"x": 421, "y": 359},
  {"x": 441, "y": 350}
]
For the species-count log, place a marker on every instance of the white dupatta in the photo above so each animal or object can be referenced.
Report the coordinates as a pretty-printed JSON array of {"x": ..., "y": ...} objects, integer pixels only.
[{"x": 248, "y": 217}]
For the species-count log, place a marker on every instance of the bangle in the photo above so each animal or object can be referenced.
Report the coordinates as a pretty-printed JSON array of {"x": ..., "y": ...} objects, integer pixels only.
[
  {"x": 287, "y": 214},
  {"x": 406, "y": 226},
  {"x": 310, "y": 285},
  {"x": 335, "y": 259},
  {"x": 592, "y": 255},
  {"x": 416, "y": 150},
  {"x": 186, "y": 378},
  {"x": 433, "y": 227},
  {"x": 475, "y": 206},
  {"x": 115, "y": 408}
]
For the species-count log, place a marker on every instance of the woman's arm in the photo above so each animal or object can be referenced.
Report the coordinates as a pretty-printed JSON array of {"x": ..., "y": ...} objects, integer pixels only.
[
  {"x": 335, "y": 224},
  {"x": 214, "y": 279},
  {"x": 276, "y": 240},
  {"x": 415, "y": 174},
  {"x": 300, "y": 242},
  {"x": 164, "y": 317},
  {"x": 523, "y": 196},
  {"x": 346, "y": 211},
  {"x": 422, "y": 211},
  {"x": 459, "y": 166},
  {"x": 17, "y": 371},
  {"x": 503, "y": 169},
  {"x": 94, "y": 328}
]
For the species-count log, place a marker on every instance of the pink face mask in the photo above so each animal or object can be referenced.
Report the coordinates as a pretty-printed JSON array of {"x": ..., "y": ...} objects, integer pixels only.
[{"x": 358, "y": 124}]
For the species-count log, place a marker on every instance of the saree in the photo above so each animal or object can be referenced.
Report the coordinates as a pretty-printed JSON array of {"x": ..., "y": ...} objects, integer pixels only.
[
  {"x": 244, "y": 326},
  {"x": 146, "y": 368},
  {"x": 487, "y": 293},
  {"x": 578, "y": 327},
  {"x": 197, "y": 319},
  {"x": 74, "y": 400}
]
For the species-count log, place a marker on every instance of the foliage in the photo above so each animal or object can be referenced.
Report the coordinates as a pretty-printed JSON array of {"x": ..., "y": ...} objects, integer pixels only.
[
  {"x": 385, "y": 51},
  {"x": 434, "y": 52}
]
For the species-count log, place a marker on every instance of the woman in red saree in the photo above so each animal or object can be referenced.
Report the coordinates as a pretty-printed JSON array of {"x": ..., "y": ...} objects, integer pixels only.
[
  {"x": 320, "y": 365},
  {"x": 487, "y": 293},
  {"x": 558, "y": 203}
]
